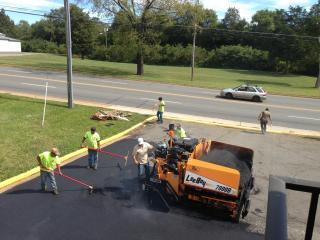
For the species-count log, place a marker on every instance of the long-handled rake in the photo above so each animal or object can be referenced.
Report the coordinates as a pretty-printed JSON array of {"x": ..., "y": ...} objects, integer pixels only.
[
  {"x": 90, "y": 188},
  {"x": 125, "y": 157}
]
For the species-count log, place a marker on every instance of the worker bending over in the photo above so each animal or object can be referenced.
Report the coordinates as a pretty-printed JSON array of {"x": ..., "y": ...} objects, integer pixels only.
[{"x": 48, "y": 162}]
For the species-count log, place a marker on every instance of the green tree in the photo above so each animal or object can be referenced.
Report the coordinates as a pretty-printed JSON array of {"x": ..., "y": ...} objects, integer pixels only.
[
  {"x": 82, "y": 30},
  {"x": 263, "y": 21},
  {"x": 313, "y": 29},
  {"x": 181, "y": 27},
  {"x": 23, "y": 30},
  {"x": 7, "y": 26},
  {"x": 43, "y": 29},
  {"x": 232, "y": 20},
  {"x": 139, "y": 14}
]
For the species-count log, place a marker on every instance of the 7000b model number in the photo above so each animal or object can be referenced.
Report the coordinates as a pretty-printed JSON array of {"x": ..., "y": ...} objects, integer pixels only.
[{"x": 223, "y": 189}]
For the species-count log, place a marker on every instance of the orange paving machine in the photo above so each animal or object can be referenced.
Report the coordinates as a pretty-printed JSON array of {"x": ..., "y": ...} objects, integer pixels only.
[{"x": 210, "y": 173}]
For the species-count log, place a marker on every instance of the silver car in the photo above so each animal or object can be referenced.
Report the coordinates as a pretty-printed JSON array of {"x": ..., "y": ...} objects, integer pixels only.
[{"x": 248, "y": 92}]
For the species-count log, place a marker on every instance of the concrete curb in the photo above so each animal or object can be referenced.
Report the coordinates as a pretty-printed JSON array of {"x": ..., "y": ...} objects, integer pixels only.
[
  {"x": 223, "y": 123},
  {"x": 247, "y": 126},
  {"x": 189, "y": 118},
  {"x": 34, "y": 172}
]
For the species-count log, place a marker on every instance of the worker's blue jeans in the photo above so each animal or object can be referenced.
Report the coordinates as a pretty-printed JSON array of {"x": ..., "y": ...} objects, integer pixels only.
[
  {"x": 144, "y": 169},
  {"x": 44, "y": 176},
  {"x": 159, "y": 116},
  {"x": 92, "y": 158}
]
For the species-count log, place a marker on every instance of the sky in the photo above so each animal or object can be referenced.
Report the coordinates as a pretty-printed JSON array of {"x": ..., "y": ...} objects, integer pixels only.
[{"x": 246, "y": 7}]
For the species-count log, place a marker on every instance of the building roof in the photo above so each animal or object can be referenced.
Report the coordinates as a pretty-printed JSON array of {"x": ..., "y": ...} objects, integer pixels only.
[{"x": 4, "y": 37}]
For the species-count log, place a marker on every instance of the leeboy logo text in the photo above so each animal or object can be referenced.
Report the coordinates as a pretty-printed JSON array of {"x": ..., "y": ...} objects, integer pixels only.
[{"x": 197, "y": 180}]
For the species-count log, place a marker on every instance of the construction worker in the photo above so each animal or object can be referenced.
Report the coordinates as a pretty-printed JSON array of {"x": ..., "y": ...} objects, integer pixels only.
[
  {"x": 48, "y": 162},
  {"x": 171, "y": 137},
  {"x": 180, "y": 133},
  {"x": 93, "y": 141},
  {"x": 160, "y": 111},
  {"x": 265, "y": 118},
  {"x": 140, "y": 157}
]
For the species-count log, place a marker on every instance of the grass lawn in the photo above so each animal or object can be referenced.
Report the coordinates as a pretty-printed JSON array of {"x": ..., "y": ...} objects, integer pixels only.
[
  {"x": 22, "y": 136},
  {"x": 275, "y": 83}
]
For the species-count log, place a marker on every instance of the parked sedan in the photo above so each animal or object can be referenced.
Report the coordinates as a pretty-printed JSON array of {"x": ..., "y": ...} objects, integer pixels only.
[{"x": 248, "y": 92}]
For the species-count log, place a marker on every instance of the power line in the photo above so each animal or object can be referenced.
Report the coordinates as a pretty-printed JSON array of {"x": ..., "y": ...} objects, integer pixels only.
[
  {"x": 272, "y": 35},
  {"x": 229, "y": 30},
  {"x": 33, "y": 14},
  {"x": 24, "y": 9},
  {"x": 263, "y": 33}
]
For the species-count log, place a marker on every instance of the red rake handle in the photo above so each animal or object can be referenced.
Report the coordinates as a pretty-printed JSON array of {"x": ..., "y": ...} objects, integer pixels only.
[
  {"x": 110, "y": 153},
  {"x": 73, "y": 179}
]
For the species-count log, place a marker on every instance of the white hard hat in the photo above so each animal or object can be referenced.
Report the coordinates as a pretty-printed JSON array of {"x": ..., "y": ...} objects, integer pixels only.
[{"x": 140, "y": 140}]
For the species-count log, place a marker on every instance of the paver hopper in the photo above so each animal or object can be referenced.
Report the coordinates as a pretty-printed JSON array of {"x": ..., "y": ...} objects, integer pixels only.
[{"x": 211, "y": 173}]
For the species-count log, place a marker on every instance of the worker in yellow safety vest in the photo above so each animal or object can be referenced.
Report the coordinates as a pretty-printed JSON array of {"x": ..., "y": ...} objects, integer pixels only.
[
  {"x": 48, "y": 162},
  {"x": 180, "y": 133},
  {"x": 93, "y": 141},
  {"x": 160, "y": 110}
]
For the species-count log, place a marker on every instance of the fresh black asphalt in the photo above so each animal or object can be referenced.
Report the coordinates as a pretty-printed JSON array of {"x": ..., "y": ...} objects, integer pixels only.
[{"x": 117, "y": 209}]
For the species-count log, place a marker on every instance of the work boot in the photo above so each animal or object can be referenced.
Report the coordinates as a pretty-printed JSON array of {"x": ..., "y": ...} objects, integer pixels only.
[{"x": 55, "y": 192}]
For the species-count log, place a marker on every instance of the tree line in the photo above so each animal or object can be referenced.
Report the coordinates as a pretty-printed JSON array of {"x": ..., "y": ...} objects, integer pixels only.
[{"x": 275, "y": 40}]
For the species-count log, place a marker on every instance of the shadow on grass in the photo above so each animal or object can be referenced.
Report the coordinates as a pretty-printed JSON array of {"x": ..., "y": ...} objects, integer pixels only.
[
  {"x": 30, "y": 100},
  {"x": 102, "y": 70},
  {"x": 81, "y": 68},
  {"x": 259, "y": 82},
  {"x": 261, "y": 73}
]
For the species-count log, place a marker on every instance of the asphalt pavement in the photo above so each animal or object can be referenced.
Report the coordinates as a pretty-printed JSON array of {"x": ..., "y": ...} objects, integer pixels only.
[
  {"x": 117, "y": 209},
  {"x": 291, "y": 112}
]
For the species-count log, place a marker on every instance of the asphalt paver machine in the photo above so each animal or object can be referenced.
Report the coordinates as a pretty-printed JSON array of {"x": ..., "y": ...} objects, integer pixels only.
[{"x": 210, "y": 173}]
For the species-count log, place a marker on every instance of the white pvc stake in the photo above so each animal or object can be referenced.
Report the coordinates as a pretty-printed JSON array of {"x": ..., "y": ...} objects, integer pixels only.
[{"x": 45, "y": 105}]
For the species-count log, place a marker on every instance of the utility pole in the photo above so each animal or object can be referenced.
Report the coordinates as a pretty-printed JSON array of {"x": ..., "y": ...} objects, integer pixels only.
[
  {"x": 193, "y": 50},
  {"x": 69, "y": 54},
  {"x": 317, "y": 85},
  {"x": 196, "y": 3}
]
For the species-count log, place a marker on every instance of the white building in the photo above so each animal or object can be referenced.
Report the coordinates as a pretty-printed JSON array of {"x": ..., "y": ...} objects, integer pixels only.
[{"x": 8, "y": 45}]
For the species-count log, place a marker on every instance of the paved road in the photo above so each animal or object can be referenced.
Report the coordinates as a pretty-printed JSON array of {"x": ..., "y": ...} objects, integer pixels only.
[
  {"x": 292, "y": 112},
  {"x": 117, "y": 209}
]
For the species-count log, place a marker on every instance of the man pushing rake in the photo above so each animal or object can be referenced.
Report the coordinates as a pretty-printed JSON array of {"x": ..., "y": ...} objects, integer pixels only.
[
  {"x": 93, "y": 144},
  {"x": 49, "y": 161}
]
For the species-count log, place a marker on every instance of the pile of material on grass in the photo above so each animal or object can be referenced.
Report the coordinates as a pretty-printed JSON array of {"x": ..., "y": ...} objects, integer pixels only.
[{"x": 104, "y": 115}]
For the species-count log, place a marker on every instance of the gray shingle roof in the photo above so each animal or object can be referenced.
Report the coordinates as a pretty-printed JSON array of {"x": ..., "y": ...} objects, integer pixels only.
[{"x": 4, "y": 37}]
